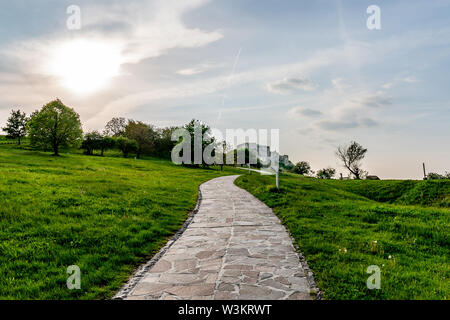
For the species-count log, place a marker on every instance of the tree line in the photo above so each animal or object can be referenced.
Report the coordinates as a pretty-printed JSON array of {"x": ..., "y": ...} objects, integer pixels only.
[{"x": 56, "y": 126}]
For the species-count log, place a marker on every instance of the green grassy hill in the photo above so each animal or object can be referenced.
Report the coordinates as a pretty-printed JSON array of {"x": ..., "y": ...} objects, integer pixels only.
[
  {"x": 409, "y": 192},
  {"x": 106, "y": 215},
  {"x": 343, "y": 227}
]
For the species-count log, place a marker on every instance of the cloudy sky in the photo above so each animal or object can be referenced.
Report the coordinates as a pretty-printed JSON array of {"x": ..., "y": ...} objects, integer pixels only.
[{"x": 309, "y": 68}]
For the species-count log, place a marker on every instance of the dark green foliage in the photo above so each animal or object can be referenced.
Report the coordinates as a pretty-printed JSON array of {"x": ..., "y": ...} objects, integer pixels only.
[
  {"x": 437, "y": 176},
  {"x": 206, "y": 138},
  {"x": 91, "y": 142},
  {"x": 16, "y": 125},
  {"x": 126, "y": 146},
  {"x": 341, "y": 232},
  {"x": 302, "y": 168},
  {"x": 326, "y": 173},
  {"x": 144, "y": 135},
  {"x": 55, "y": 126},
  {"x": 95, "y": 141}
]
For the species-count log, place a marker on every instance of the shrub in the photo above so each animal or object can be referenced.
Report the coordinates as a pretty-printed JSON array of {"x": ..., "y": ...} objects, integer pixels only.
[{"x": 126, "y": 145}]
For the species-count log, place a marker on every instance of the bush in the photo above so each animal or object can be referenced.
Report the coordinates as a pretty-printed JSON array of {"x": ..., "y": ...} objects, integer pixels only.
[
  {"x": 326, "y": 173},
  {"x": 126, "y": 145},
  {"x": 302, "y": 168}
]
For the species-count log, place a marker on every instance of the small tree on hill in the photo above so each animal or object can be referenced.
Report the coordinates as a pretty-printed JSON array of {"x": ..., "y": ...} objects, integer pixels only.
[
  {"x": 126, "y": 145},
  {"x": 326, "y": 173},
  {"x": 105, "y": 144},
  {"x": 302, "y": 168},
  {"x": 55, "y": 126},
  {"x": 206, "y": 138},
  {"x": 351, "y": 156},
  {"x": 16, "y": 125},
  {"x": 91, "y": 142}
]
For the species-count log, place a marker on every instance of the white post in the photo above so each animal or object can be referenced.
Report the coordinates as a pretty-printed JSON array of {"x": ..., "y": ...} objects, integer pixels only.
[{"x": 249, "y": 168}]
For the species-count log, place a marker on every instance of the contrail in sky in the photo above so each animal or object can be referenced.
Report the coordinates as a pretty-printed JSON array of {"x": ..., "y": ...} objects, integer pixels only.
[{"x": 230, "y": 77}]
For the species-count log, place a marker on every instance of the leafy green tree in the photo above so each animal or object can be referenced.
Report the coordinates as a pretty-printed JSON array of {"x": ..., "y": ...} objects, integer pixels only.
[
  {"x": 55, "y": 126},
  {"x": 91, "y": 142},
  {"x": 106, "y": 143},
  {"x": 326, "y": 173},
  {"x": 16, "y": 125},
  {"x": 437, "y": 176},
  {"x": 351, "y": 156},
  {"x": 302, "y": 168},
  {"x": 126, "y": 145},
  {"x": 206, "y": 138},
  {"x": 164, "y": 143}
]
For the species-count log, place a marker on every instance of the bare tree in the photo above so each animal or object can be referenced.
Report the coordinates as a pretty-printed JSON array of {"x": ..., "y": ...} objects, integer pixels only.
[{"x": 351, "y": 156}]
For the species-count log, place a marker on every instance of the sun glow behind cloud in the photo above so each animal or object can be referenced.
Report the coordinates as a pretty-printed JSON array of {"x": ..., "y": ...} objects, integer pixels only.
[{"x": 85, "y": 66}]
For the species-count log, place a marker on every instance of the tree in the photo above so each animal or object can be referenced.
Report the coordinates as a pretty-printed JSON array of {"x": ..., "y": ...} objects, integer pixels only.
[
  {"x": 106, "y": 143},
  {"x": 351, "y": 156},
  {"x": 16, "y": 125},
  {"x": 163, "y": 143},
  {"x": 96, "y": 141},
  {"x": 126, "y": 145},
  {"x": 302, "y": 168},
  {"x": 115, "y": 127},
  {"x": 326, "y": 173},
  {"x": 91, "y": 142},
  {"x": 55, "y": 126},
  {"x": 143, "y": 134},
  {"x": 206, "y": 138},
  {"x": 437, "y": 176}
]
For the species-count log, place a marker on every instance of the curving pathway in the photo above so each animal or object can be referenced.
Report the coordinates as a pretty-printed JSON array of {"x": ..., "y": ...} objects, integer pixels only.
[{"x": 234, "y": 248}]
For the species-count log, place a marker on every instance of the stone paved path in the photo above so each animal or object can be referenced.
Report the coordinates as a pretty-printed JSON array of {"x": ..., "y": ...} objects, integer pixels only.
[{"x": 234, "y": 248}]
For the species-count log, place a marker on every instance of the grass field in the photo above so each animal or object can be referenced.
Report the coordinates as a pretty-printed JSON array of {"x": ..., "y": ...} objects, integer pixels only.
[
  {"x": 342, "y": 227},
  {"x": 106, "y": 215}
]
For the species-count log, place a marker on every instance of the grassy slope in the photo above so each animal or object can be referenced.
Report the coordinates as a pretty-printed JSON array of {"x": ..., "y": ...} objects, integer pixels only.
[
  {"x": 336, "y": 228},
  {"x": 105, "y": 215}
]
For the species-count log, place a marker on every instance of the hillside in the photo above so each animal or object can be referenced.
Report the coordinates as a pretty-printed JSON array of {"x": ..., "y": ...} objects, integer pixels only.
[
  {"x": 408, "y": 192},
  {"x": 106, "y": 215},
  {"x": 342, "y": 231}
]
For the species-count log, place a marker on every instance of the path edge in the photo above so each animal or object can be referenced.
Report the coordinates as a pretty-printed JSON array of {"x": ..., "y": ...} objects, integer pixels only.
[
  {"x": 315, "y": 292},
  {"x": 142, "y": 270}
]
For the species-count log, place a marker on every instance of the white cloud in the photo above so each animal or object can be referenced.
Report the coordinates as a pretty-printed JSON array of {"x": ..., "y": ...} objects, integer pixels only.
[{"x": 147, "y": 30}]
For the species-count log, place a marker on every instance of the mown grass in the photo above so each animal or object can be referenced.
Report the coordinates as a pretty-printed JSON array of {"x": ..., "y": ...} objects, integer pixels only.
[
  {"x": 341, "y": 231},
  {"x": 106, "y": 215}
]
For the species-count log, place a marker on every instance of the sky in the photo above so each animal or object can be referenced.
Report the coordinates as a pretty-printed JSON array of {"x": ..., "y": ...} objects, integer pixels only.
[{"x": 312, "y": 69}]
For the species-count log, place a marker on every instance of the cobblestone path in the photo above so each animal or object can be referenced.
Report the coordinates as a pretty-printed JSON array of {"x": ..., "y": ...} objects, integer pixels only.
[{"x": 234, "y": 248}]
